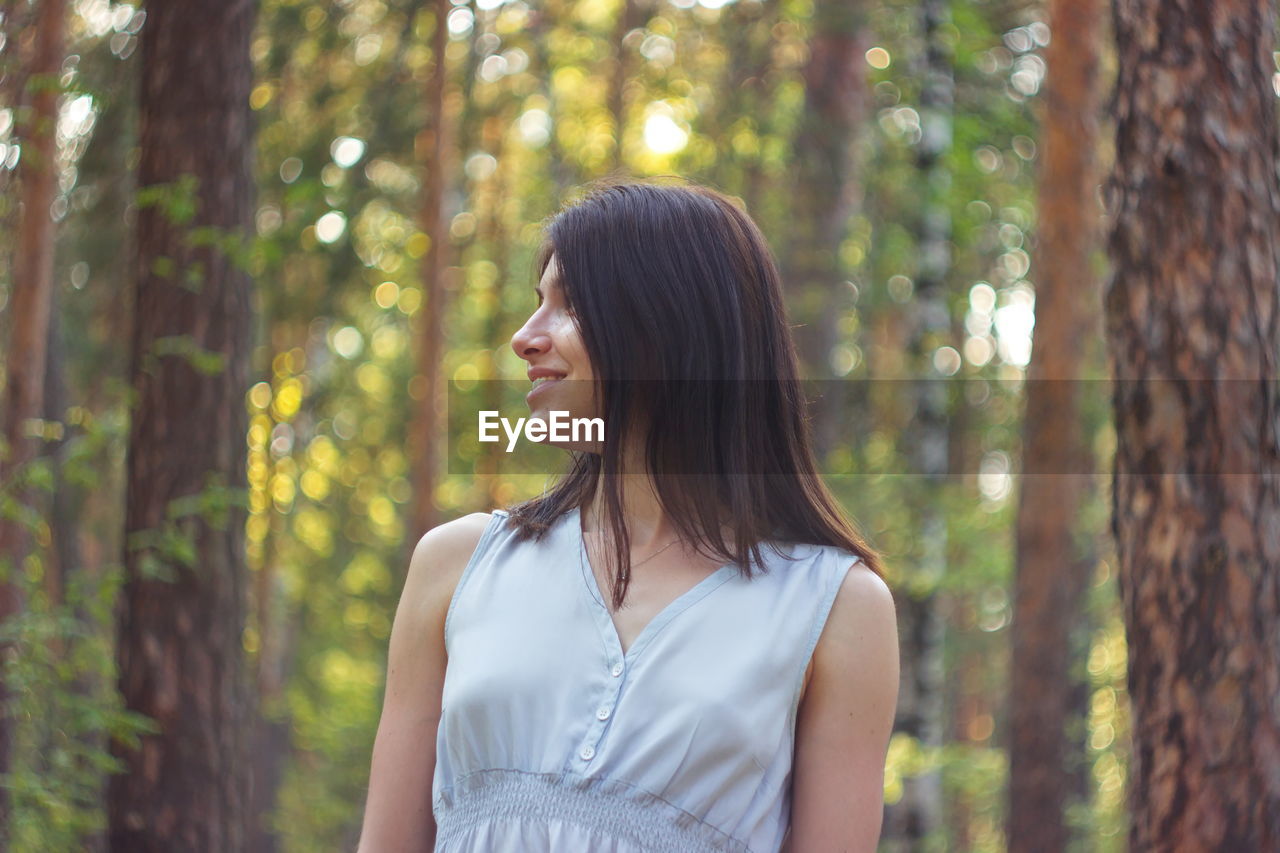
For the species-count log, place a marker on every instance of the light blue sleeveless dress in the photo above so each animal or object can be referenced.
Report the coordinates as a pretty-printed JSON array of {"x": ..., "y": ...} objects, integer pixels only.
[{"x": 551, "y": 739}]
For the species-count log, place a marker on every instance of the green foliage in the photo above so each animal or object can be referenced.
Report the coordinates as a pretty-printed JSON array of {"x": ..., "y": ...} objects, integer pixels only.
[
  {"x": 60, "y": 671},
  {"x": 177, "y": 202},
  {"x": 65, "y": 709},
  {"x": 205, "y": 361}
]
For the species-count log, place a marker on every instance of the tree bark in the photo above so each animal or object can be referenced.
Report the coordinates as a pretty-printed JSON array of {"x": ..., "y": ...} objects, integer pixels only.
[
  {"x": 1050, "y": 578},
  {"x": 544, "y": 19},
  {"x": 745, "y": 30},
  {"x": 498, "y": 235},
  {"x": 428, "y": 437},
  {"x": 826, "y": 194},
  {"x": 28, "y": 338},
  {"x": 181, "y": 612},
  {"x": 629, "y": 17},
  {"x": 927, "y": 440},
  {"x": 272, "y": 724},
  {"x": 1191, "y": 313}
]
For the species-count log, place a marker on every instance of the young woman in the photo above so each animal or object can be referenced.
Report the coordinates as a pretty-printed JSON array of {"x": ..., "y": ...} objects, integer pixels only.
[{"x": 684, "y": 645}]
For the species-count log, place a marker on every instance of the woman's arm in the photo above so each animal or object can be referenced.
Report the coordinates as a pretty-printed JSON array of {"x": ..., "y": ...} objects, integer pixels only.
[
  {"x": 844, "y": 722},
  {"x": 397, "y": 815}
]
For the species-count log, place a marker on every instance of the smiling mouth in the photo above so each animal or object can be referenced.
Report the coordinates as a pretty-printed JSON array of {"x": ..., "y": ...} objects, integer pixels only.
[{"x": 542, "y": 382}]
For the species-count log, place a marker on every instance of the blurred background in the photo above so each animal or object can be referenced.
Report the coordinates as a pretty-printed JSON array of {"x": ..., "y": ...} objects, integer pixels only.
[{"x": 279, "y": 234}]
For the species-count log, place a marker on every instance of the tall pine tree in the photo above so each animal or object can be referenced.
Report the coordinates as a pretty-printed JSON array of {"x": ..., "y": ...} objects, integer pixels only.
[
  {"x": 182, "y": 610},
  {"x": 1192, "y": 327}
]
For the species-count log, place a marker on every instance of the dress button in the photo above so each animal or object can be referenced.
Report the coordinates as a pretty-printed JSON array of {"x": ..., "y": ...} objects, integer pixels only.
[
  {"x": 587, "y": 752},
  {"x": 617, "y": 670},
  {"x": 603, "y": 714}
]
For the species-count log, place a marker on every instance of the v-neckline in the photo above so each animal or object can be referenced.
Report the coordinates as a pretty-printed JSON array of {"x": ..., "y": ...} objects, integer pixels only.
[{"x": 673, "y": 608}]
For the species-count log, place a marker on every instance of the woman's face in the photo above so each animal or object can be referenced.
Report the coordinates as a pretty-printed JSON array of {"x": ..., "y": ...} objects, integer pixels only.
[{"x": 552, "y": 344}]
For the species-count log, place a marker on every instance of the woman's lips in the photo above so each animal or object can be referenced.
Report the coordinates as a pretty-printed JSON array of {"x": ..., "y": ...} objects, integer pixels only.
[{"x": 541, "y": 385}]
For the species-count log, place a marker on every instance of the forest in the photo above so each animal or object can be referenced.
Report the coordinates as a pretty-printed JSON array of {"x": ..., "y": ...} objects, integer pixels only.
[{"x": 261, "y": 261}]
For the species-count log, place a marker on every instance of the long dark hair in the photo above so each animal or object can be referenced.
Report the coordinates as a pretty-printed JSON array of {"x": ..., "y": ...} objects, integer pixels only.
[{"x": 679, "y": 303}]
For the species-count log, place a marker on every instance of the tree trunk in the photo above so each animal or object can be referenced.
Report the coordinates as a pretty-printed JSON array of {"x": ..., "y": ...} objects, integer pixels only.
[
  {"x": 629, "y": 17},
  {"x": 964, "y": 708},
  {"x": 498, "y": 236},
  {"x": 826, "y": 193},
  {"x": 181, "y": 612},
  {"x": 544, "y": 19},
  {"x": 918, "y": 816},
  {"x": 29, "y": 318},
  {"x": 1050, "y": 578},
  {"x": 64, "y": 504},
  {"x": 1192, "y": 331},
  {"x": 272, "y": 739},
  {"x": 272, "y": 725},
  {"x": 745, "y": 30},
  {"x": 428, "y": 434}
]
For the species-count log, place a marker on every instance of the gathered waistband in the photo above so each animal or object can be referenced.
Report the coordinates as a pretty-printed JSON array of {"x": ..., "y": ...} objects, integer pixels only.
[{"x": 610, "y": 806}]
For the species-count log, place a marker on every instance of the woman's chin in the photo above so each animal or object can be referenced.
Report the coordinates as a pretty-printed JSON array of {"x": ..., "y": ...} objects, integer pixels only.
[
  {"x": 543, "y": 411},
  {"x": 540, "y": 412}
]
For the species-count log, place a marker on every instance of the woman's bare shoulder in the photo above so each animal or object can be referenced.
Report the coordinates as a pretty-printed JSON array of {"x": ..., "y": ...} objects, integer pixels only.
[
  {"x": 863, "y": 603},
  {"x": 460, "y": 533},
  {"x": 861, "y": 631},
  {"x": 441, "y": 556}
]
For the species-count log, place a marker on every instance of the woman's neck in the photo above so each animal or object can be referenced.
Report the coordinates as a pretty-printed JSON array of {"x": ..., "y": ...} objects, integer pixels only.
[{"x": 647, "y": 523}]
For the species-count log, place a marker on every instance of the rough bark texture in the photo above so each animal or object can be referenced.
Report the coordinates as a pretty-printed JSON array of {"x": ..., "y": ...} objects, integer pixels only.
[
  {"x": 180, "y": 633},
  {"x": 24, "y": 366},
  {"x": 825, "y": 195},
  {"x": 1051, "y": 579},
  {"x": 428, "y": 435},
  {"x": 1196, "y": 513}
]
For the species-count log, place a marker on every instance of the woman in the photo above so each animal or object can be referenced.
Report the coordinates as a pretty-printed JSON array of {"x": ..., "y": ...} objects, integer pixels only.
[{"x": 682, "y": 646}]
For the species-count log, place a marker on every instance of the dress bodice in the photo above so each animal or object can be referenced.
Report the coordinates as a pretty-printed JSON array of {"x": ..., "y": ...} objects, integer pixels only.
[{"x": 552, "y": 739}]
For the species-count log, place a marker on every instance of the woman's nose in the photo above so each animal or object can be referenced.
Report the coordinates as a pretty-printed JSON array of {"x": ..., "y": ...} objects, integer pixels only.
[{"x": 529, "y": 342}]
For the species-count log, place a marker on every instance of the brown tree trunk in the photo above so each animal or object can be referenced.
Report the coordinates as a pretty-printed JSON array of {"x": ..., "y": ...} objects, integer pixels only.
[
  {"x": 826, "y": 194},
  {"x": 1050, "y": 578},
  {"x": 745, "y": 30},
  {"x": 629, "y": 17},
  {"x": 29, "y": 318},
  {"x": 918, "y": 815},
  {"x": 544, "y": 19},
  {"x": 428, "y": 438},
  {"x": 181, "y": 612},
  {"x": 271, "y": 736},
  {"x": 497, "y": 234},
  {"x": 277, "y": 629},
  {"x": 962, "y": 705},
  {"x": 63, "y": 560},
  {"x": 1192, "y": 329}
]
